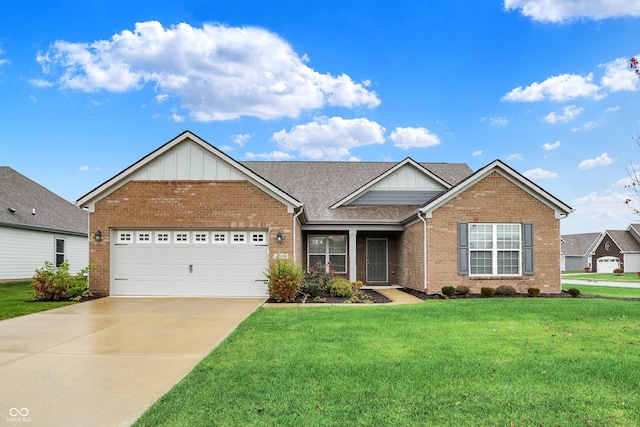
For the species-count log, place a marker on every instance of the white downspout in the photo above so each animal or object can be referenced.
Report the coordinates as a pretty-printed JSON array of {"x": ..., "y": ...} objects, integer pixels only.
[
  {"x": 295, "y": 217},
  {"x": 424, "y": 249}
]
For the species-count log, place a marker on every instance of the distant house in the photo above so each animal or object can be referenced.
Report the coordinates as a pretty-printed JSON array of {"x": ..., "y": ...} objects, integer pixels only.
[
  {"x": 576, "y": 250},
  {"x": 188, "y": 220},
  {"x": 37, "y": 225},
  {"x": 618, "y": 248}
]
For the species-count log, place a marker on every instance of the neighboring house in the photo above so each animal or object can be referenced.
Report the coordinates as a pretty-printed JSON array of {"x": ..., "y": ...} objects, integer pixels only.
[
  {"x": 618, "y": 249},
  {"x": 36, "y": 226},
  {"x": 188, "y": 219},
  {"x": 576, "y": 250}
]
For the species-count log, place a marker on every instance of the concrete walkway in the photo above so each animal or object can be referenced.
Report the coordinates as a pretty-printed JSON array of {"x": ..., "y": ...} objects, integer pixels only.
[
  {"x": 104, "y": 362},
  {"x": 398, "y": 297}
]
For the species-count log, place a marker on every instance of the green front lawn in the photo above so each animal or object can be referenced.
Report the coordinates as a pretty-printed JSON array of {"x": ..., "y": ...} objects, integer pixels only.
[
  {"x": 521, "y": 361},
  {"x": 16, "y": 300},
  {"x": 605, "y": 291},
  {"x": 604, "y": 277}
]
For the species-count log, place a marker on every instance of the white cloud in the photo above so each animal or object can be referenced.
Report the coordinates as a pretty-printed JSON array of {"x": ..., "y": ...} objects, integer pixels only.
[
  {"x": 217, "y": 72},
  {"x": 619, "y": 76},
  {"x": 515, "y": 156},
  {"x": 610, "y": 206},
  {"x": 570, "y": 112},
  {"x": 161, "y": 98},
  {"x": 550, "y": 147},
  {"x": 274, "y": 155},
  {"x": 3, "y": 62},
  {"x": 40, "y": 83},
  {"x": 556, "y": 88},
  {"x": 33, "y": 98},
  {"x": 329, "y": 138},
  {"x": 539, "y": 173},
  {"x": 177, "y": 118},
  {"x": 84, "y": 168},
  {"x": 241, "y": 139},
  {"x": 496, "y": 121},
  {"x": 558, "y": 11},
  {"x": 601, "y": 160},
  {"x": 613, "y": 109},
  {"x": 477, "y": 153},
  {"x": 409, "y": 137},
  {"x": 591, "y": 124}
]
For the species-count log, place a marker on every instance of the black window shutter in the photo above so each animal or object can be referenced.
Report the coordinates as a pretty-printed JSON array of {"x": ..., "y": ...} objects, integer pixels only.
[
  {"x": 528, "y": 249},
  {"x": 463, "y": 248}
]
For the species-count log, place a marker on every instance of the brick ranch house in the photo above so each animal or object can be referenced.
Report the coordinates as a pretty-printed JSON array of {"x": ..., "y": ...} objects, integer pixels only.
[{"x": 188, "y": 220}]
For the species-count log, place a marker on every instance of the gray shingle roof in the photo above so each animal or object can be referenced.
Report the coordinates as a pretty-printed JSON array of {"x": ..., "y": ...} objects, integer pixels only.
[
  {"x": 52, "y": 212},
  {"x": 578, "y": 244},
  {"x": 624, "y": 240},
  {"x": 320, "y": 184}
]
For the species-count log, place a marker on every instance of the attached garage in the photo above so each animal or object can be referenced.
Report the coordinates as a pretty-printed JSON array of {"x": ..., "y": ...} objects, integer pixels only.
[
  {"x": 203, "y": 263},
  {"x": 607, "y": 264},
  {"x": 188, "y": 220}
]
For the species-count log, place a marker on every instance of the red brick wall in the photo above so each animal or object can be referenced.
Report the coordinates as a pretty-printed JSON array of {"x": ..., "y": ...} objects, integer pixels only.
[
  {"x": 492, "y": 200},
  {"x": 184, "y": 204},
  {"x": 411, "y": 257}
]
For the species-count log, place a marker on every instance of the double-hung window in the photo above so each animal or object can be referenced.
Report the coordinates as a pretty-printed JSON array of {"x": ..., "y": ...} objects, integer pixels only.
[
  {"x": 328, "y": 251},
  {"x": 495, "y": 249}
]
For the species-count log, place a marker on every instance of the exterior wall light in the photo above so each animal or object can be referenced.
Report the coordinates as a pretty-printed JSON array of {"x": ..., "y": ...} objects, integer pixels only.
[
  {"x": 279, "y": 237},
  {"x": 98, "y": 235}
]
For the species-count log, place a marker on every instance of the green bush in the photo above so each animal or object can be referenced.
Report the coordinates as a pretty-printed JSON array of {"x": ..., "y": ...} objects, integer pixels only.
[
  {"x": 51, "y": 283},
  {"x": 505, "y": 291},
  {"x": 284, "y": 280},
  {"x": 533, "y": 292},
  {"x": 340, "y": 287},
  {"x": 618, "y": 271},
  {"x": 462, "y": 290},
  {"x": 487, "y": 292},
  {"x": 448, "y": 291},
  {"x": 317, "y": 279},
  {"x": 575, "y": 293}
]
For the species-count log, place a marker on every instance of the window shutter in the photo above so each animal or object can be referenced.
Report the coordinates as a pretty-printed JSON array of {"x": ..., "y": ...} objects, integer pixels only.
[
  {"x": 463, "y": 248},
  {"x": 528, "y": 249}
]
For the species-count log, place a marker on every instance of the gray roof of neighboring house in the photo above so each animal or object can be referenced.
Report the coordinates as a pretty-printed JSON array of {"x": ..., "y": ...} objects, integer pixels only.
[
  {"x": 578, "y": 244},
  {"x": 624, "y": 240},
  {"x": 321, "y": 184},
  {"x": 52, "y": 212}
]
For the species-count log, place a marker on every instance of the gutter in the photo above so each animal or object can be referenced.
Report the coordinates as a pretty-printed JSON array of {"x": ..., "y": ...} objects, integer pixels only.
[
  {"x": 295, "y": 217},
  {"x": 424, "y": 250}
]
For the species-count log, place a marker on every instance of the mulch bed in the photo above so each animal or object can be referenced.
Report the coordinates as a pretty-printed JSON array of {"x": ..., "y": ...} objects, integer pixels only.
[
  {"x": 376, "y": 298},
  {"x": 563, "y": 294}
]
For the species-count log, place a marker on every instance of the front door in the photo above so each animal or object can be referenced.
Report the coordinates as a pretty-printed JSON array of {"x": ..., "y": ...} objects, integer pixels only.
[{"x": 377, "y": 260}]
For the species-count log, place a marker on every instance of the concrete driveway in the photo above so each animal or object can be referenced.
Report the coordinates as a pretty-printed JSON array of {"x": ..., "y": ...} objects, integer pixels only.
[{"x": 104, "y": 362}]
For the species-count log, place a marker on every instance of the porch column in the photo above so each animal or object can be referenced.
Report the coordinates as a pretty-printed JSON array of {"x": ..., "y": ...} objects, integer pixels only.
[{"x": 352, "y": 254}]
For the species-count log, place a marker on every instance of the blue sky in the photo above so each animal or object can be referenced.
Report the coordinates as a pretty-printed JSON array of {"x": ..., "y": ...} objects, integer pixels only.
[{"x": 89, "y": 87}]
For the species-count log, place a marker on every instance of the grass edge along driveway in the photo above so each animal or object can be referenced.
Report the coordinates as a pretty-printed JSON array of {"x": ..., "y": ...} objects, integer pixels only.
[
  {"x": 15, "y": 300},
  {"x": 470, "y": 362}
]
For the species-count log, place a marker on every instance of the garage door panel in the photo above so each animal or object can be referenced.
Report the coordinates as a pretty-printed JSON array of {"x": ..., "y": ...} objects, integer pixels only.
[{"x": 189, "y": 269}]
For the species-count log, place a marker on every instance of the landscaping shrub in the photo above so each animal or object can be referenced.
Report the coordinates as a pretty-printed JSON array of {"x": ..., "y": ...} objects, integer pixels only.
[
  {"x": 533, "y": 292},
  {"x": 448, "y": 291},
  {"x": 487, "y": 292},
  {"x": 340, "y": 287},
  {"x": 575, "y": 293},
  {"x": 51, "y": 283},
  {"x": 317, "y": 278},
  {"x": 505, "y": 291},
  {"x": 285, "y": 279},
  {"x": 618, "y": 271},
  {"x": 462, "y": 290}
]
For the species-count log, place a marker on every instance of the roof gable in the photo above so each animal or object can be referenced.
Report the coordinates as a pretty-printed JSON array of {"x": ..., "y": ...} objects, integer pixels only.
[
  {"x": 26, "y": 204},
  {"x": 406, "y": 183},
  {"x": 561, "y": 209},
  {"x": 623, "y": 239},
  {"x": 186, "y": 157}
]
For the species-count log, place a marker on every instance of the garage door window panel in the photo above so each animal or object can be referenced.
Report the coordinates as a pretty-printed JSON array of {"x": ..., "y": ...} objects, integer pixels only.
[
  {"x": 239, "y": 238},
  {"x": 163, "y": 237},
  {"x": 125, "y": 237},
  {"x": 200, "y": 237},
  {"x": 143, "y": 237},
  {"x": 219, "y": 237},
  {"x": 181, "y": 237}
]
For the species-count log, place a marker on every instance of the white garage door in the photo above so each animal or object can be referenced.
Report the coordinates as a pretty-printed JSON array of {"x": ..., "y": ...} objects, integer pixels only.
[
  {"x": 189, "y": 263},
  {"x": 607, "y": 264}
]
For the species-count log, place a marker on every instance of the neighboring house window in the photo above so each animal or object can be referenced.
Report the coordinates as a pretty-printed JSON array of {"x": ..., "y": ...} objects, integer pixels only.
[
  {"x": 59, "y": 246},
  {"x": 328, "y": 249},
  {"x": 495, "y": 249}
]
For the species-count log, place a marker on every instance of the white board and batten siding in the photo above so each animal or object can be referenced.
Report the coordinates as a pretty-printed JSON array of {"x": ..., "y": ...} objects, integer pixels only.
[
  {"x": 22, "y": 251},
  {"x": 197, "y": 263}
]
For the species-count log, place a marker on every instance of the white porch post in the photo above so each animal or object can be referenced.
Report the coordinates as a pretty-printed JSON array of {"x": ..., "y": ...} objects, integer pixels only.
[{"x": 352, "y": 254}]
